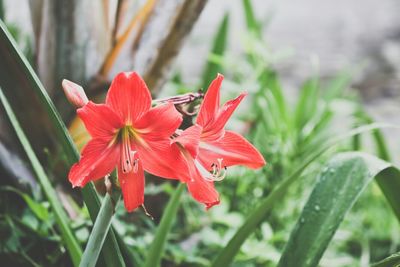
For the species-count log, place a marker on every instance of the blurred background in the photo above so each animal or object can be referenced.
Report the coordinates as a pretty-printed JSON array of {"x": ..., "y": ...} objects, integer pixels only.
[{"x": 314, "y": 69}]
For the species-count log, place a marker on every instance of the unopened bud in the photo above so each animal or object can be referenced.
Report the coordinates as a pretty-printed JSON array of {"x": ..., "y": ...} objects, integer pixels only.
[{"x": 74, "y": 93}]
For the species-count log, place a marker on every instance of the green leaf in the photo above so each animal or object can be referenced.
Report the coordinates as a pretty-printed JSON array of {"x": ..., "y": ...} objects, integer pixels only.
[
  {"x": 71, "y": 243},
  {"x": 338, "y": 84},
  {"x": 27, "y": 95},
  {"x": 37, "y": 208},
  {"x": 219, "y": 45},
  {"x": 385, "y": 185},
  {"x": 257, "y": 216},
  {"x": 156, "y": 251},
  {"x": 270, "y": 80},
  {"x": 307, "y": 103},
  {"x": 340, "y": 184},
  {"x": 391, "y": 261},
  {"x": 99, "y": 231},
  {"x": 251, "y": 20}
]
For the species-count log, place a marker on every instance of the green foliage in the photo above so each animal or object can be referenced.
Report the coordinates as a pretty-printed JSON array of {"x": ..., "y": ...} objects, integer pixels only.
[
  {"x": 155, "y": 254},
  {"x": 99, "y": 231},
  {"x": 340, "y": 183},
  {"x": 61, "y": 218},
  {"x": 217, "y": 50},
  {"x": 15, "y": 72},
  {"x": 392, "y": 260}
]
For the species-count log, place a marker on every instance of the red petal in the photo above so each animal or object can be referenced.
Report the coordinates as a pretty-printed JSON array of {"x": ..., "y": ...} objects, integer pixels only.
[
  {"x": 215, "y": 130},
  {"x": 210, "y": 106},
  {"x": 128, "y": 96},
  {"x": 97, "y": 160},
  {"x": 233, "y": 149},
  {"x": 100, "y": 120},
  {"x": 132, "y": 185},
  {"x": 160, "y": 158},
  {"x": 159, "y": 122},
  {"x": 190, "y": 138},
  {"x": 201, "y": 190}
]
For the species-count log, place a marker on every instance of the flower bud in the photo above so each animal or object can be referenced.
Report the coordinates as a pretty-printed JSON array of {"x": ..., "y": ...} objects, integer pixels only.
[{"x": 74, "y": 93}]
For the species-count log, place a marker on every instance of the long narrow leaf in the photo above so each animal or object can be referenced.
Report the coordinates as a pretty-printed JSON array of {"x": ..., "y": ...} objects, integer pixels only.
[
  {"x": 99, "y": 232},
  {"x": 251, "y": 21},
  {"x": 340, "y": 184},
  {"x": 385, "y": 184},
  {"x": 24, "y": 91},
  {"x": 256, "y": 217},
  {"x": 157, "y": 247},
  {"x": 71, "y": 243},
  {"x": 392, "y": 260},
  {"x": 218, "y": 49}
]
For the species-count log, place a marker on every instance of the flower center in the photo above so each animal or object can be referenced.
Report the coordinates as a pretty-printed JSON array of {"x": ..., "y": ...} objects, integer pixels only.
[
  {"x": 129, "y": 158},
  {"x": 218, "y": 172}
]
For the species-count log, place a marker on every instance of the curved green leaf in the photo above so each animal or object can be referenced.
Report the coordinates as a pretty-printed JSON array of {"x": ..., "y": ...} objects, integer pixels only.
[
  {"x": 218, "y": 49},
  {"x": 156, "y": 251},
  {"x": 252, "y": 23},
  {"x": 340, "y": 184},
  {"x": 99, "y": 231},
  {"x": 391, "y": 261}
]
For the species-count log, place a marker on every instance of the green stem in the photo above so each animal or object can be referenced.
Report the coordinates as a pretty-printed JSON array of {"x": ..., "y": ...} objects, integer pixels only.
[
  {"x": 70, "y": 242},
  {"x": 157, "y": 247},
  {"x": 99, "y": 231}
]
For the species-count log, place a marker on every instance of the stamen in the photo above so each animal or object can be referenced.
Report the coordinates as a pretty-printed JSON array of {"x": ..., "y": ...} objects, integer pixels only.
[
  {"x": 135, "y": 165},
  {"x": 218, "y": 171},
  {"x": 146, "y": 212},
  {"x": 127, "y": 155}
]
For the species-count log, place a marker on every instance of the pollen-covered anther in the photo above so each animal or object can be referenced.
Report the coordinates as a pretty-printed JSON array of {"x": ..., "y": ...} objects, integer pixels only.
[{"x": 218, "y": 172}]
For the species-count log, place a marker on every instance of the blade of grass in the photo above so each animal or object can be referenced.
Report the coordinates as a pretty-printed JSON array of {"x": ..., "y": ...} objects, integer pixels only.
[
  {"x": 99, "y": 232},
  {"x": 251, "y": 20},
  {"x": 307, "y": 103},
  {"x": 256, "y": 217},
  {"x": 69, "y": 240},
  {"x": 156, "y": 251},
  {"x": 218, "y": 49},
  {"x": 19, "y": 80},
  {"x": 392, "y": 260},
  {"x": 341, "y": 182},
  {"x": 386, "y": 185}
]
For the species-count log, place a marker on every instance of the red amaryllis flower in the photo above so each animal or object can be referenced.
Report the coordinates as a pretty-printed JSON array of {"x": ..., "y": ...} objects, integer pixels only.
[
  {"x": 208, "y": 149},
  {"x": 130, "y": 135}
]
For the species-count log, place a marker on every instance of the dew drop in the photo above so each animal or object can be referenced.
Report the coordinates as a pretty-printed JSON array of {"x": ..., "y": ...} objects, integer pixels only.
[{"x": 317, "y": 207}]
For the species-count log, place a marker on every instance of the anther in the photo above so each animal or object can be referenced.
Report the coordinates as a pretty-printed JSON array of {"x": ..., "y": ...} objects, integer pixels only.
[{"x": 218, "y": 172}]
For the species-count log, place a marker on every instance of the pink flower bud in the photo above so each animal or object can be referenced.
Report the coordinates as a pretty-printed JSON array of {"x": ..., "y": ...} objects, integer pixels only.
[{"x": 74, "y": 93}]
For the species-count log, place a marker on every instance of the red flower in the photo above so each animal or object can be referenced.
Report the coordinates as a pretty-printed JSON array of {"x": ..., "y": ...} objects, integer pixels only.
[
  {"x": 208, "y": 149},
  {"x": 130, "y": 135}
]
